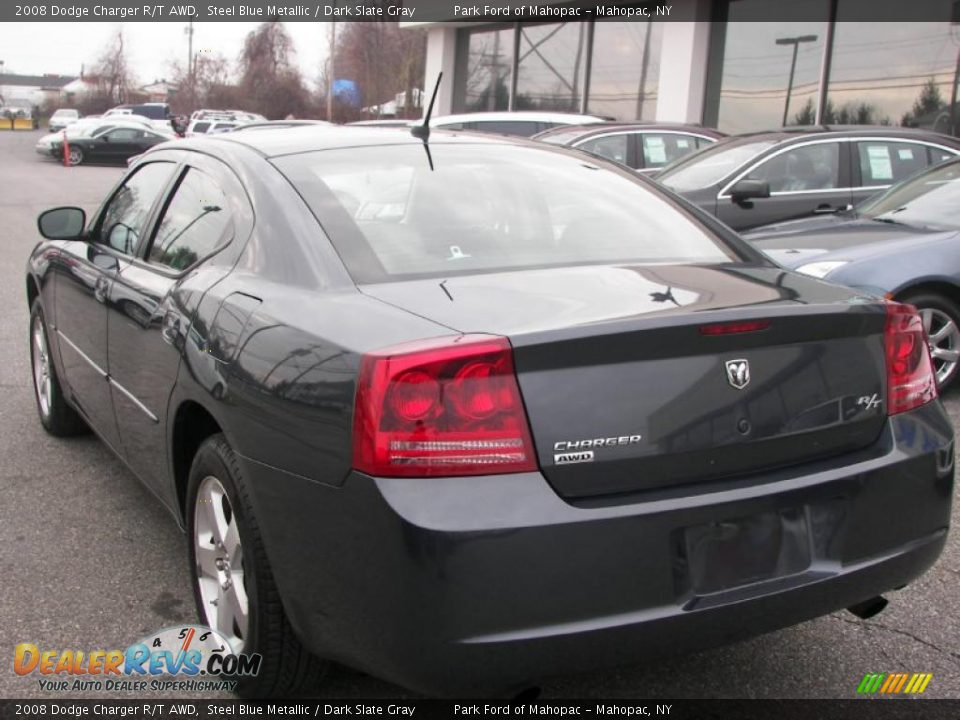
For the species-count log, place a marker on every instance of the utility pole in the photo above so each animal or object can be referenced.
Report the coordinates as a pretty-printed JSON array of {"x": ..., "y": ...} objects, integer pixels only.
[
  {"x": 331, "y": 73},
  {"x": 795, "y": 41},
  {"x": 190, "y": 50}
]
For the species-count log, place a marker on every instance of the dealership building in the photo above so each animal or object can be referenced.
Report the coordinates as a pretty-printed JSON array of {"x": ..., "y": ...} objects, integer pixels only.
[{"x": 722, "y": 63}]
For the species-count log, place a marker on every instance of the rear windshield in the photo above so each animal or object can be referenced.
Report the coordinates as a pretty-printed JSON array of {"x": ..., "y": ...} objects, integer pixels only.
[
  {"x": 488, "y": 207},
  {"x": 930, "y": 200},
  {"x": 711, "y": 165},
  {"x": 153, "y": 112}
]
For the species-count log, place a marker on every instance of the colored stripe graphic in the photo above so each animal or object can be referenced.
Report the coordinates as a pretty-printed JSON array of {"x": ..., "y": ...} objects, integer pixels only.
[
  {"x": 871, "y": 683},
  {"x": 894, "y": 683}
]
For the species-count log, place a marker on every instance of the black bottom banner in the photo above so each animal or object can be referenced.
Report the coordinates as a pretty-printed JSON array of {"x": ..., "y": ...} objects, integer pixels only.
[{"x": 882, "y": 709}]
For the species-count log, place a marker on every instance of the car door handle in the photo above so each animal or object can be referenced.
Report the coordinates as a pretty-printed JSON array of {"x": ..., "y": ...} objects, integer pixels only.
[
  {"x": 826, "y": 209},
  {"x": 100, "y": 289}
]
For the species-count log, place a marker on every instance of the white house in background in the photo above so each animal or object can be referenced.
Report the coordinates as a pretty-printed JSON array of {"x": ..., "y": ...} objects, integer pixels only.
[
  {"x": 722, "y": 63},
  {"x": 159, "y": 90},
  {"x": 74, "y": 89},
  {"x": 30, "y": 90},
  {"x": 397, "y": 105}
]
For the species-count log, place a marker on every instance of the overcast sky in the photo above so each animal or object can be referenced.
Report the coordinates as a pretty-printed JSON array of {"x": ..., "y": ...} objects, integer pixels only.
[{"x": 61, "y": 48}]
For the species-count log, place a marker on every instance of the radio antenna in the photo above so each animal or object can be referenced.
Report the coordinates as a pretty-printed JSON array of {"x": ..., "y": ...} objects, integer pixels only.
[{"x": 423, "y": 131}]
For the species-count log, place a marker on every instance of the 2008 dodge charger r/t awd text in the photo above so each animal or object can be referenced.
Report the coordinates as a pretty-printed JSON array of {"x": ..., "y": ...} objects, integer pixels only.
[{"x": 468, "y": 411}]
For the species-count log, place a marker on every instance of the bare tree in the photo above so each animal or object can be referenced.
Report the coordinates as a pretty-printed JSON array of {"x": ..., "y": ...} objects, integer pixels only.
[
  {"x": 209, "y": 83},
  {"x": 383, "y": 60},
  {"x": 271, "y": 83},
  {"x": 112, "y": 71}
]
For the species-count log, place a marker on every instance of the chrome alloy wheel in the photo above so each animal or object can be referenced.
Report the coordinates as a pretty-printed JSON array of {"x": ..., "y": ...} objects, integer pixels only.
[
  {"x": 944, "y": 342},
  {"x": 40, "y": 358},
  {"x": 219, "y": 563}
]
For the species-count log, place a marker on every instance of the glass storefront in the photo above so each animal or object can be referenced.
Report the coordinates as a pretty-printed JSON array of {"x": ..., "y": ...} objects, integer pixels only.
[
  {"x": 625, "y": 69},
  {"x": 606, "y": 68},
  {"x": 837, "y": 70},
  {"x": 488, "y": 66},
  {"x": 550, "y": 66}
]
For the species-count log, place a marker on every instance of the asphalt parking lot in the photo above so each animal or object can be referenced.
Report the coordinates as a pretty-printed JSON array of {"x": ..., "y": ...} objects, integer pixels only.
[{"x": 90, "y": 560}]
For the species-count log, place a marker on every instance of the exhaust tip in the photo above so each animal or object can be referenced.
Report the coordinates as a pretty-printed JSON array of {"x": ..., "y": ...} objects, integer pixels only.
[{"x": 868, "y": 608}]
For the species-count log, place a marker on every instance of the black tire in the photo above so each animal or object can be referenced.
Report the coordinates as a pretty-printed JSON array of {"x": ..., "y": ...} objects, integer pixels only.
[
  {"x": 75, "y": 156},
  {"x": 58, "y": 419},
  {"x": 287, "y": 667},
  {"x": 943, "y": 306}
]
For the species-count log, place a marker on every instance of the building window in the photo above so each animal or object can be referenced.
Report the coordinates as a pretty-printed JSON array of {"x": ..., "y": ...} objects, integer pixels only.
[
  {"x": 487, "y": 69},
  {"x": 766, "y": 74},
  {"x": 893, "y": 73},
  {"x": 605, "y": 68},
  {"x": 625, "y": 69},
  {"x": 770, "y": 71},
  {"x": 550, "y": 66}
]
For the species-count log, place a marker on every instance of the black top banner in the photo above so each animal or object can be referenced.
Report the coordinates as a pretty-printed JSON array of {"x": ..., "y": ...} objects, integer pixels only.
[{"x": 460, "y": 11}]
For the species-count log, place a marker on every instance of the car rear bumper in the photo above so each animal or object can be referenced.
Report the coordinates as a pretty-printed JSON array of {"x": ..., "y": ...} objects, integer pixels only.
[{"x": 484, "y": 583}]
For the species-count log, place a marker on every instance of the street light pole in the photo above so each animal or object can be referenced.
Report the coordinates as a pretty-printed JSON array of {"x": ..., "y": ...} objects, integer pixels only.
[
  {"x": 330, "y": 69},
  {"x": 795, "y": 41}
]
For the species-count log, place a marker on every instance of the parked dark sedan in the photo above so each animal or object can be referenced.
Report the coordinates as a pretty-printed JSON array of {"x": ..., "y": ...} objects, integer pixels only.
[
  {"x": 904, "y": 244},
  {"x": 761, "y": 178},
  {"x": 115, "y": 145},
  {"x": 468, "y": 414},
  {"x": 645, "y": 147}
]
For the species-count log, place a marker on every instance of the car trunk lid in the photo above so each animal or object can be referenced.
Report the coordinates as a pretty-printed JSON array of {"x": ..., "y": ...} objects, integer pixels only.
[{"x": 644, "y": 378}]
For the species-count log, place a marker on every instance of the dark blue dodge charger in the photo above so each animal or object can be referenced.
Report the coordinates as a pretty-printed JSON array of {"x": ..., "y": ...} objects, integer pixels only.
[{"x": 470, "y": 411}]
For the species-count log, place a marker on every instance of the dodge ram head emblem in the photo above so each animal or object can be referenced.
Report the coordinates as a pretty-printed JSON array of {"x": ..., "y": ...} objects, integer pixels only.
[{"x": 738, "y": 373}]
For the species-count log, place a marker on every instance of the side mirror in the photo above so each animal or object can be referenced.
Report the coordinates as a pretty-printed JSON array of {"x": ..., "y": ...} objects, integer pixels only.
[
  {"x": 63, "y": 223},
  {"x": 104, "y": 138},
  {"x": 748, "y": 189}
]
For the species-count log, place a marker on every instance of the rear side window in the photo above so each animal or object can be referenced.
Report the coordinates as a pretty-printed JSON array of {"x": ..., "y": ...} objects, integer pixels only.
[
  {"x": 124, "y": 135},
  {"x": 808, "y": 167},
  {"x": 886, "y": 163},
  {"x": 195, "y": 222},
  {"x": 612, "y": 147},
  {"x": 201, "y": 127},
  {"x": 662, "y": 149},
  {"x": 935, "y": 156},
  {"x": 488, "y": 207},
  {"x": 125, "y": 216}
]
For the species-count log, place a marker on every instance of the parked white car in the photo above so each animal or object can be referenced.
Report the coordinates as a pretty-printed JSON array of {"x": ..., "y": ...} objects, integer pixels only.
[
  {"x": 203, "y": 122},
  {"x": 522, "y": 123},
  {"x": 62, "y": 118}
]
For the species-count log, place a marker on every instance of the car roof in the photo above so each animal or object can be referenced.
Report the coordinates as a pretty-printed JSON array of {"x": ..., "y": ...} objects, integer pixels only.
[
  {"x": 310, "y": 138},
  {"x": 799, "y": 133},
  {"x": 517, "y": 116},
  {"x": 599, "y": 128}
]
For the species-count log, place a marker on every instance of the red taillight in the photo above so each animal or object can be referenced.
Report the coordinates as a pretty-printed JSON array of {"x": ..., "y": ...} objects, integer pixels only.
[
  {"x": 733, "y": 328},
  {"x": 449, "y": 406},
  {"x": 910, "y": 378}
]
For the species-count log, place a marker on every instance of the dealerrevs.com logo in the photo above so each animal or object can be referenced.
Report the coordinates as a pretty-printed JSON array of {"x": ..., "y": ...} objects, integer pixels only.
[{"x": 176, "y": 658}]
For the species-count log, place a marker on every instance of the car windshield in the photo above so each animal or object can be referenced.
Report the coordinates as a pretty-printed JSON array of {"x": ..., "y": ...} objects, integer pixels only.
[
  {"x": 703, "y": 169},
  {"x": 487, "y": 207},
  {"x": 930, "y": 199}
]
